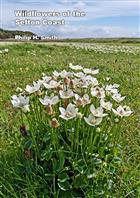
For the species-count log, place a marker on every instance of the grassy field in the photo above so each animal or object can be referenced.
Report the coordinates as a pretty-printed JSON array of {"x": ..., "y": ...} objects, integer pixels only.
[{"x": 25, "y": 63}]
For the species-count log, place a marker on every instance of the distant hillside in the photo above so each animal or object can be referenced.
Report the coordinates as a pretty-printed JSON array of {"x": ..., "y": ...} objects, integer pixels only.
[{"x": 10, "y": 34}]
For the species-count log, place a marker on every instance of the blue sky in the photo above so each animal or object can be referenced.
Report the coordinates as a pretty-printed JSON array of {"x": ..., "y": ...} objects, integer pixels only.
[{"x": 104, "y": 18}]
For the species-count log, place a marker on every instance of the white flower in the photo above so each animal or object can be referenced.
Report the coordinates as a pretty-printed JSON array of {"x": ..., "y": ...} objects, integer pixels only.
[
  {"x": 92, "y": 121},
  {"x": 33, "y": 88},
  {"x": 97, "y": 112},
  {"x": 90, "y": 71},
  {"x": 49, "y": 100},
  {"x": 107, "y": 78},
  {"x": 64, "y": 74},
  {"x": 87, "y": 71},
  {"x": 51, "y": 84},
  {"x": 95, "y": 71},
  {"x": 86, "y": 99},
  {"x": 66, "y": 94},
  {"x": 21, "y": 102},
  {"x": 79, "y": 75},
  {"x": 112, "y": 89},
  {"x": 90, "y": 80},
  {"x": 26, "y": 109},
  {"x": 83, "y": 83},
  {"x": 68, "y": 113},
  {"x": 43, "y": 74},
  {"x": 74, "y": 83},
  {"x": 75, "y": 67},
  {"x": 56, "y": 74},
  {"x": 118, "y": 98},
  {"x": 79, "y": 115},
  {"x": 106, "y": 105},
  {"x": 97, "y": 92},
  {"x": 82, "y": 100},
  {"x": 46, "y": 79},
  {"x": 122, "y": 111},
  {"x": 94, "y": 81},
  {"x": 87, "y": 80},
  {"x": 6, "y": 50},
  {"x": 40, "y": 82},
  {"x": 18, "y": 89},
  {"x": 78, "y": 101}
]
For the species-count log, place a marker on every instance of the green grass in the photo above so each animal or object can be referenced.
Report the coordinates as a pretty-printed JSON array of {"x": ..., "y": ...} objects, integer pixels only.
[{"x": 25, "y": 63}]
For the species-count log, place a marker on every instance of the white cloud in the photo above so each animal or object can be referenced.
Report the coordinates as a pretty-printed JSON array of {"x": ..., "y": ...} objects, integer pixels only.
[
  {"x": 63, "y": 1},
  {"x": 95, "y": 31},
  {"x": 94, "y": 9},
  {"x": 80, "y": 5}
]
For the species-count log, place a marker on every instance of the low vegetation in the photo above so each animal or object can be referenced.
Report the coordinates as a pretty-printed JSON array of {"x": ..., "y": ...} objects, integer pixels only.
[{"x": 36, "y": 163}]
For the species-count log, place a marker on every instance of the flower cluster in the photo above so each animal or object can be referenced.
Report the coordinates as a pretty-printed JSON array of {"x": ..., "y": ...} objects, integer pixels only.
[
  {"x": 4, "y": 51},
  {"x": 75, "y": 93},
  {"x": 105, "y": 48}
]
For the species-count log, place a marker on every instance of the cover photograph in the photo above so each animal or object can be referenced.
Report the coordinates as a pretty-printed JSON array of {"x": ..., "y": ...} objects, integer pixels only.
[{"x": 70, "y": 99}]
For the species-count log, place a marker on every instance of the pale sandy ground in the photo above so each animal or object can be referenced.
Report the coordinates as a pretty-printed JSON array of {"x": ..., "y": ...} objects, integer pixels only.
[
  {"x": 9, "y": 43},
  {"x": 6, "y": 43},
  {"x": 47, "y": 43}
]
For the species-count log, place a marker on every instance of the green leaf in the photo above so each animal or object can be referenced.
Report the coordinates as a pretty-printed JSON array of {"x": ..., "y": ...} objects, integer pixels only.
[
  {"x": 111, "y": 170},
  {"x": 28, "y": 144},
  {"x": 59, "y": 164},
  {"x": 61, "y": 159},
  {"x": 46, "y": 137},
  {"x": 49, "y": 176},
  {"x": 117, "y": 160},
  {"x": 47, "y": 154},
  {"x": 64, "y": 185},
  {"x": 80, "y": 166},
  {"x": 40, "y": 169},
  {"x": 63, "y": 177},
  {"x": 65, "y": 194},
  {"x": 78, "y": 181},
  {"x": 97, "y": 161},
  {"x": 77, "y": 193}
]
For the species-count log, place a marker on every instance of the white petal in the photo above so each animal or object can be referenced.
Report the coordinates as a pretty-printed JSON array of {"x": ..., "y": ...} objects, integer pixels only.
[
  {"x": 62, "y": 110},
  {"x": 92, "y": 108},
  {"x": 55, "y": 99},
  {"x": 98, "y": 120}
]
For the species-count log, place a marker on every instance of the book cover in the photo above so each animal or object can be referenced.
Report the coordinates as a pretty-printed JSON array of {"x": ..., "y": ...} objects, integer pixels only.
[{"x": 69, "y": 98}]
